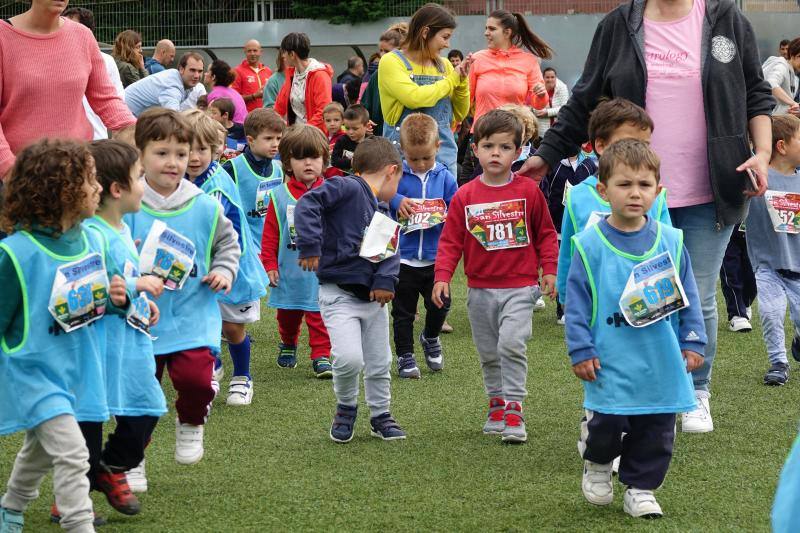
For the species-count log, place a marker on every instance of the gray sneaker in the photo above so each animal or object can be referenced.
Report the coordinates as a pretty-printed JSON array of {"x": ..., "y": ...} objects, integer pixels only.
[
  {"x": 515, "y": 424},
  {"x": 433, "y": 352},
  {"x": 407, "y": 366},
  {"x": 495, "y": 424}
]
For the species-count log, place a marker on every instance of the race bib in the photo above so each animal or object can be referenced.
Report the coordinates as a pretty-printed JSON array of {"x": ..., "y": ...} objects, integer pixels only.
[
  {"x": 138, "y": 316},
  {"x": 80, "y": 292},
  {"x": 653, "y": 291},
  {"x": 427, "y": 214},
  {"x": 594, "y": 218},
  {"x": 292, "y": 231},
  {"x": 498, "y": 225},
  {"x": 567, "y": 187},
  {"x": 168, "y": 255},
  {"x": 262, "y": 197},
  {"x": 380, "y": 238},
  {"x": 784, "y": 211}
]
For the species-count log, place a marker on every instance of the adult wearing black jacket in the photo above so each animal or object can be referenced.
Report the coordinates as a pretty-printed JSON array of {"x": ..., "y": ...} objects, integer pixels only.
[{"x": 732, "y": 98}]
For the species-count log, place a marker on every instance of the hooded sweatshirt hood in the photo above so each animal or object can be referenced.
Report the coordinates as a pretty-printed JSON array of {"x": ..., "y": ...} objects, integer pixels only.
[
  {"x": 779, "y": 73},
  {"x": 183, "y": 194}
]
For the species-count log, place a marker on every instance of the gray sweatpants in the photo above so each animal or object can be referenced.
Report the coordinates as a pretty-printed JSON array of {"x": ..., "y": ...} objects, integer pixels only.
[
  {"x": 774, "y": 291},
  {"x": 359, "y": 333},
  {"x": 58, "y": 444},
  {"x": 501, "y": 326}
]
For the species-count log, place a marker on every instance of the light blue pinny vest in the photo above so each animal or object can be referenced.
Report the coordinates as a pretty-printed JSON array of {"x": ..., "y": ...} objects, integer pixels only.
[
  {"x": 643, "y": 371},
  {"x": 254, "y": 192},
  {"x": 296, "y": 289},
  {"x": 51, "y": 372},
  {"x": 131, "y": 384},
  {"x": 442, "y": 113}
]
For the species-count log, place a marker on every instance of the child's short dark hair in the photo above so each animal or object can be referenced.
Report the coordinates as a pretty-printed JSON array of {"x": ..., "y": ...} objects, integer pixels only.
[
  {"x": 260, "y": 120},
  {"x": 418, "y": 129},
  {"x": 224, "y": 106},
  {"x": 301, "y": 141},
  {"x": 113, "y": 160},
  {"x": 632, "y": 153},
  {"x": 84, "y": 16},
  {"x": 206, "y": 130},
  {"x": 158, "y": 124},
  {"x": 498, "y": 121},
  {"x": 356, "y": 112},
  {"x": 455, "y": 53},
  {"x": 333, "y": 107},
  {"x": 611, "y": 114},
  {"x": 299, "y": 43},
  {"x": 46, "y": 185},
  {"x": 373, "y": 154},
  {"x": 784, "y": 127}
]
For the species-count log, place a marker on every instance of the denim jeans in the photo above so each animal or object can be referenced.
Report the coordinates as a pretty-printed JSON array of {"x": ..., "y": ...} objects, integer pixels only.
[{"x": 706, "y": 244}]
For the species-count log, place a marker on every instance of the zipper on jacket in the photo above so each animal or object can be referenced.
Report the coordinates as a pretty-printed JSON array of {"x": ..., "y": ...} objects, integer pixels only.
[{"x": 422, "y": 233}]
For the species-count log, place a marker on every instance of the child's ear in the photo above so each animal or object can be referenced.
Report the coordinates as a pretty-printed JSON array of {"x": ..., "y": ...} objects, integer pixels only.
[
  {"x": 115, "y": 191},
  {"x": 599, "y": 146},
  {"x": 780, "y": 146},
  {"x": 439, "y": 143},
  {"x": 602, "y": 189},
  {"x": 659, "y": 188},
  {"x": 250, "y": 139}
]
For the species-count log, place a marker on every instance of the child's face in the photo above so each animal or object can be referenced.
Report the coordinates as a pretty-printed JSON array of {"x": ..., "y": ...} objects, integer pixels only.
[
  {"x": 496, "y": 153},
  {"x": 200, "y": 156},
  {"x": 630, "y": 191},
  {"x": 165, "y": 164},
  {"x": 215, "y": 113},
  {"x": 791, "y": 149},
  {"x": 131, "y": 200},
  {"x": 388, "y": 190},
  {"x": 91, "y": 190},
  {"x": 629, "y": 130},
  {"x": 333, "y": 122},
  {"x": 265, "y": 144},
  {"x": 421, "y": 158},
  {"x": 355, "y": 129},
  {"x": 306, "y": 170}
]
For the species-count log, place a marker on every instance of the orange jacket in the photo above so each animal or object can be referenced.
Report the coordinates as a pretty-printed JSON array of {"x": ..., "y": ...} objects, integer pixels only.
[
  {"x": 250, "y": 81},
  {"x": 318, "y": 95}
]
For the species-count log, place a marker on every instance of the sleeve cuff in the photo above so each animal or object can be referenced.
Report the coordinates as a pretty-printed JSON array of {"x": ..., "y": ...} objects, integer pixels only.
[
  {"x": 442, "y": 275},
  {"x": 395, "y": 203},
  {"x": 581, "y": 355},
  {"x": 386, "y": 283},
  {"x": 697, "y": 347},
  {"x": 549, "y": 269},
  {"x": 312, "y": 250}
]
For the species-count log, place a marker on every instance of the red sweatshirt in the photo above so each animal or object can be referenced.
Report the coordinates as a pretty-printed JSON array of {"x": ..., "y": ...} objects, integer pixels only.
[
  {"x": 270, "y": 240},
  {"x": 516, "y": 226}
]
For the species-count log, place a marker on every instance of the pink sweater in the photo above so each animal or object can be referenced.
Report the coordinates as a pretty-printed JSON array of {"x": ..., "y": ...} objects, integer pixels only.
[{"x": 43, "y": 79}]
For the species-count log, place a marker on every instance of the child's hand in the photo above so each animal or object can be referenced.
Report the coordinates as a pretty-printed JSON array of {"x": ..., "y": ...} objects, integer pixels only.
[
  {"x": 693, "y": 360},
  {"x": 406, "y": 208},
  {"x": 117, "y": 291},
  {"x": 274, "y": 277},
  {"x": 381, "y": 296},
  {"x": 155, "y": 314},
  {"x": 441, "y": 289},
  {"x": 549, "y": 286},
  {"x": 587, "y": 370},
  {"x": 218, "y": 282},
  {"x": 309, "y": 264},
  {"x": 151, "y": 284}
]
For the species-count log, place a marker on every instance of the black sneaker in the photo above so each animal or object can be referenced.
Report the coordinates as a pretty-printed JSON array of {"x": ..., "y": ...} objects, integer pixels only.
[
  {"x": 796, "y": 348},
  {"x": 343, "y": 423},
  {"x": 777, "y": 375},
  {"x": 433, "y": 352},
  {"x": 407, "y": 366},
  {"x": 384, "y": 427}
]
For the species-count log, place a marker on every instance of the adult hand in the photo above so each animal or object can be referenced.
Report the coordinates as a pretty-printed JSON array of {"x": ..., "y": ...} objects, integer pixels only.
[
  {"x": 381, "y": 296},
  {"x": 218, "y": 282},
  {"x": 406, "y": 208},
  {"x": 309, "y": 264},
  {"x": 151, "y": 284},
  {"x": 535, "y": 167},
  {"x": 587, "y": 370},
  {"x": 549, "y": 286},
  {"x": 759, "y": 164},
  {"x": 693, "y": 360},
  {"x": 539, "y": 89},
  {"x": 140, "y": 60},
  {"x": 274, "y": 277},
  {"x": 441, "y": 289}
]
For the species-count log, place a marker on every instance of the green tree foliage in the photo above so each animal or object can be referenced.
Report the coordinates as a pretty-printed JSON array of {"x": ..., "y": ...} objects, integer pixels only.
[{"x": 347, "y": 11}]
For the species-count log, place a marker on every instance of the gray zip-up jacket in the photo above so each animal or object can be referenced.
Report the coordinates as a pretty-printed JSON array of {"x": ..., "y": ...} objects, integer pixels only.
[
  {"x": 734, "y": 91},
  {"x": 779, "y": 73}
]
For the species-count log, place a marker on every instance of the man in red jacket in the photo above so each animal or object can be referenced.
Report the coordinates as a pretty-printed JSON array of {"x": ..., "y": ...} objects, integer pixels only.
[{"x": 251, "y": 76}]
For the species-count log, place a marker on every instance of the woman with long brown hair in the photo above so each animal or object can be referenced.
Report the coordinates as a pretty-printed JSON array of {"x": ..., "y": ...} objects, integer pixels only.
[{"x": 127, "y": 54}]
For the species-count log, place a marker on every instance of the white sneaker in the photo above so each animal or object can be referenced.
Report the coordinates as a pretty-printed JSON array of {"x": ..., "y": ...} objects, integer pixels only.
[
  {"x": 749, "y": 312},
  {"x": 539, "y": 305},
  {"x": 698, "y": 420},
  {"x": 740, "y": 324},
  {"x": 188, "y": 443},
  {"x": 641, "y": 503},
  {"x": 596, "y": 483},
  {"x": 561, "y": 321},
  {"x": 615, "y": 464},
  {"x": 137, "y": 479},
  {"x": 218, "y": 373},
  {"x": 240, "y": 391}
]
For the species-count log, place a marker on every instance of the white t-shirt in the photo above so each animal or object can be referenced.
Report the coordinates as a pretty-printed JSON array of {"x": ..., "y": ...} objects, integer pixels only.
[{"x": 100, "y": 130}]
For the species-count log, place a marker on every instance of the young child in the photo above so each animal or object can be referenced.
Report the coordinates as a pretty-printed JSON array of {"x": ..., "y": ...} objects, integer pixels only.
[
  {"x": 222, "y": 110},
  {"x": 304, "y": 152},
  {"x": 631, "y": 270},
  {"x": 333, "y": 115},
  {"x": 345, "y": 235},
  {"x": 530, "y": 131},
  {"x": 611, "y": 121},
  {"x": 500, "y": 223},
  {"x": 775, "y": 252},
  {"x": 420, "y": 205},
  {"x": 55, "y": 291},
  {"x": 135, "y": 397},
  {"x": 187, "y": 241},
  {"x": 356, "y": 118},
  {"x": 251, "y": 281},
  {"x": 256, "y": 171}
]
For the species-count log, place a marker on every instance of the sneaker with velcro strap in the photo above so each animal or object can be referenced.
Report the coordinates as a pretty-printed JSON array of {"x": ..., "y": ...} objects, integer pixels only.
[
  {"x": 433, "y": 352},
  {"x": 777, "y": 375},
  {"x": 287, "y": 356},
  {"x": 407, "y": 366},
  {"x": 385, "y": 427},
  {"x": 240, "y": 391},
  {"x": 641, "y": 504},
  {"x": 322, "y": 368},
  {"x": 344, "y": 421},
  {"x": 514, "y": 430},
  {"x": 495, "y": 421}
]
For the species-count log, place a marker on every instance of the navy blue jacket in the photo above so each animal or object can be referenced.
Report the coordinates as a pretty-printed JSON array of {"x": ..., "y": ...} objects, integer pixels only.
[
  {"x": 262, "y": 167},
  {"x": 330, "y": 222}
]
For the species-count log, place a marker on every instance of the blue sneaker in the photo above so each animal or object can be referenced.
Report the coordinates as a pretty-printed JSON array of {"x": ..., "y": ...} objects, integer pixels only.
[
  {"x": 287, "y": 356},
  {"x": 322, "y": 368},
  {"x": 407, "y": 366},
  {"x": 385, "y": 427},
  {"x": 11, "y": 521},
  {"x": 433, "y": 352},
  {"x": 343, "y": 423}
]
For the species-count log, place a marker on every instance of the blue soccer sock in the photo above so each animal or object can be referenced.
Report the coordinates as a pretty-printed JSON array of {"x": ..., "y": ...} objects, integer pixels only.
[{"x": 240, "y": 355}]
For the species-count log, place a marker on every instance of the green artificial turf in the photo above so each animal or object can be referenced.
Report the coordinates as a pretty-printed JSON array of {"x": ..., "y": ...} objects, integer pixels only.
[{"x": 272, "y": 467}]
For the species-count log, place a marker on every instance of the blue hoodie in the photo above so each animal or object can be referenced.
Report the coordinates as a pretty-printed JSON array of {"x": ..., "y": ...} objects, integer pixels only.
[{"x": 438, "y": 183}]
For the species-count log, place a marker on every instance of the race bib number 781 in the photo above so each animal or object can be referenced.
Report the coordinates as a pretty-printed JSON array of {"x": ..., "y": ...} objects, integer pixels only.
[{"x": 499, "y": 225}]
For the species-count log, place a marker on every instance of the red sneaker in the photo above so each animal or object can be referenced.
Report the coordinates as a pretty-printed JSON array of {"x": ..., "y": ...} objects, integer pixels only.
[
  {"x": 495, "y": 424},
  {"x": 515, "y": 424},
  {"x": 118, "y": 493}
]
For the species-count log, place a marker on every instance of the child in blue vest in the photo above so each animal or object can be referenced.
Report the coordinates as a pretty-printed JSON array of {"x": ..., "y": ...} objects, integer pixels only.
[
  {"x": 305, "y": 155},
  {"x": 345, "y": 235},
  {"x": 56, "y": 290},
  {"x": 251, "y": 281},
  {"x": 629, "y": 275},
  {"x": 135, "y": 397},
  {"x": 188, "y": 242},
  {"x": 420, "y": 205},
  {"x": 611, "y": 121}
]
